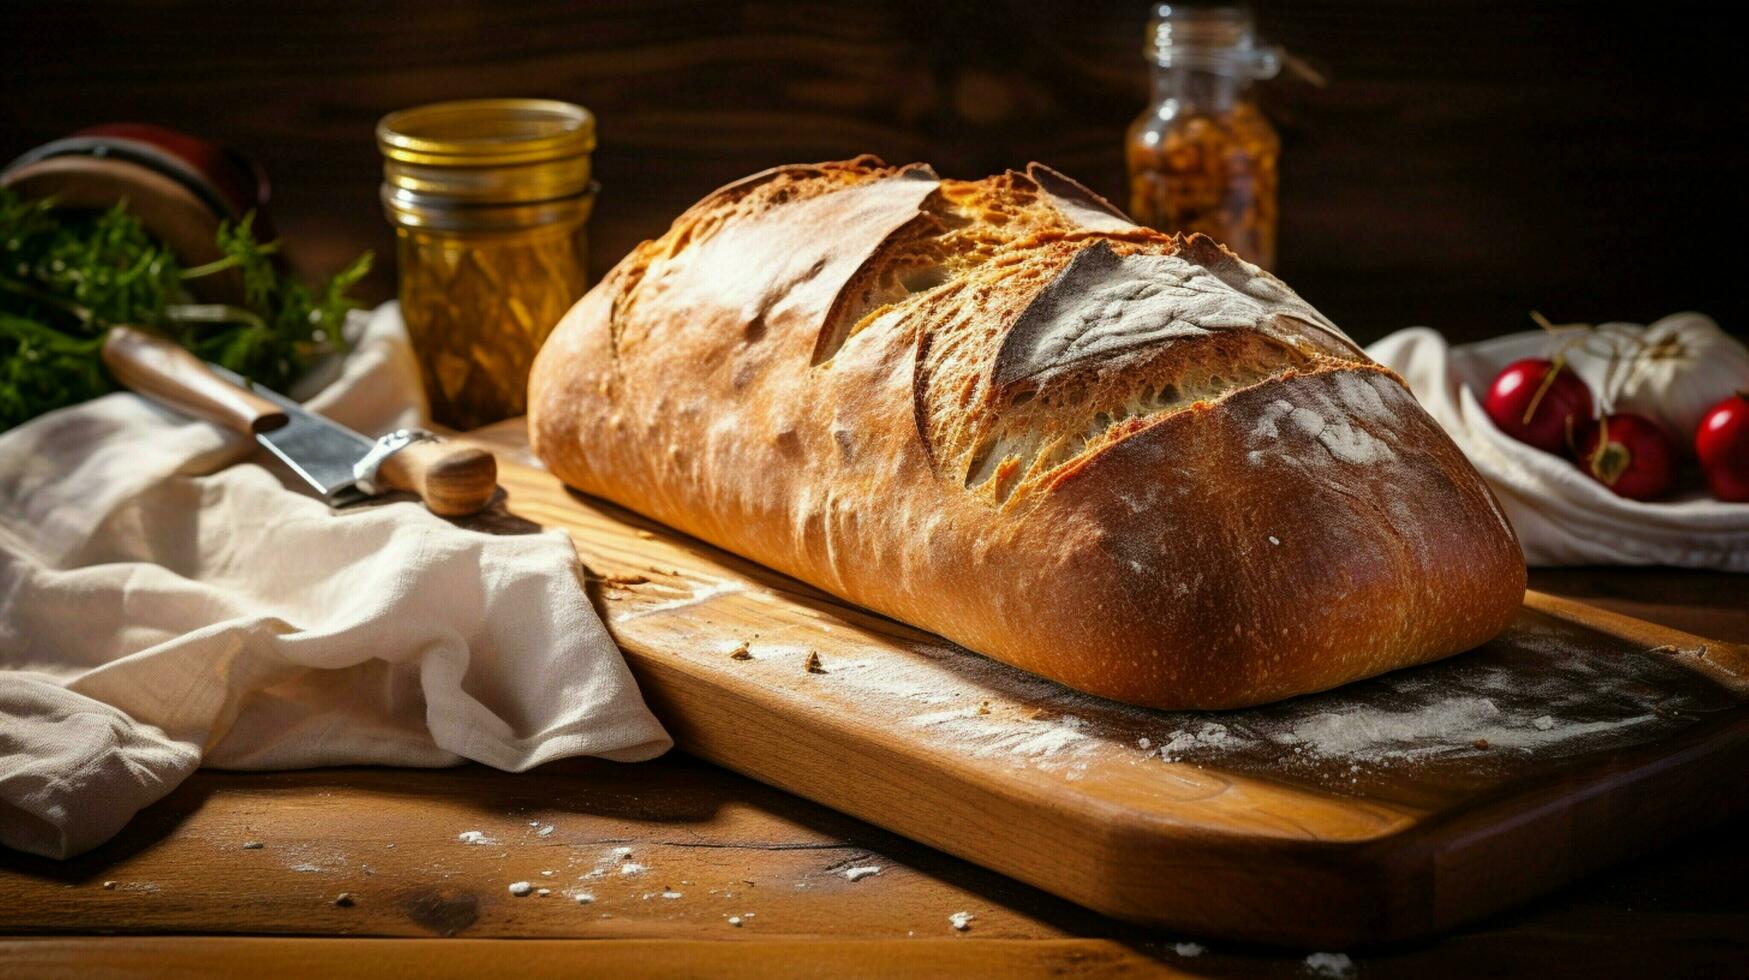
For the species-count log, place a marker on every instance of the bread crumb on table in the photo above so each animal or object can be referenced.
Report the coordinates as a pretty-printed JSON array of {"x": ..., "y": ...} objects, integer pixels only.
[
  {"x": 624, "y": 579},
  {"x": 741, "y": 652},
  {"x": 520, "y": 888},
  {"x": 857, "y": 874},
  {"x": 813, "y": 664},
  {"x": 961, "y": 920},
  {"x": 344, "y": 900}
]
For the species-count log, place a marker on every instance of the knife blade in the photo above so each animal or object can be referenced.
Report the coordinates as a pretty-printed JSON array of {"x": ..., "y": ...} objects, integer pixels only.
[{"x": 319, "y": 450}]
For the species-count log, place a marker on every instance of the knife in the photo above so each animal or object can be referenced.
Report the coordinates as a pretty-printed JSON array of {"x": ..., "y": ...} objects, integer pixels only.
[{"x": 342, "y": 465}]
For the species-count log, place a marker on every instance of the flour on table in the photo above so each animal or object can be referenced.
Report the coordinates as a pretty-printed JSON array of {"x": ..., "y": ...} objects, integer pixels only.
[
  {"x": 857, "y": 874},
  {"x": 475, "y": 837},
  {"x": 961, "y": 920}
]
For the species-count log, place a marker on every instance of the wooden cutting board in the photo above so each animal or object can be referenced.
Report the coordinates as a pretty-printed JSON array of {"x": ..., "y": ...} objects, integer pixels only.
[{"x": 1388, "y": 809}]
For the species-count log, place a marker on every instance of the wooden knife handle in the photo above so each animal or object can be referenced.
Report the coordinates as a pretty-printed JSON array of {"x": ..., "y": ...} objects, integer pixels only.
[
  {"x": 452, "y": 480},
  {"x": 161, "y": 370}
]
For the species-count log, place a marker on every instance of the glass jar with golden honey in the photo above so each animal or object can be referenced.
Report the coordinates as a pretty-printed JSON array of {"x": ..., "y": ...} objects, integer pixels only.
[
  {"x": 1203, "y": 157},
  {"x": 489, "y": 198}
]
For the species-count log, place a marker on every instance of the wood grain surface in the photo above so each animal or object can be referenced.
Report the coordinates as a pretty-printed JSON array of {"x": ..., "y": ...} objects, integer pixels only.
[
  {"x": 1533, "y": 747},
  {"x": 1468, "y": 162},
  {"x": 389, "y": 838}
]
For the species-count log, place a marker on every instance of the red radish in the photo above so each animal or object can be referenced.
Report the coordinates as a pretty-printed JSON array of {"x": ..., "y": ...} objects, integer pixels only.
[
  {"x": 1629, "y": 454},
  {"x": 1722, "y": 443},
  {"x": 1539, "y": 402}
]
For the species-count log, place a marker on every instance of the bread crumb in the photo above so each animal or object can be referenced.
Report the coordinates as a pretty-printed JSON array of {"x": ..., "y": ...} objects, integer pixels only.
[
  {"x": 646, "y": 535},
  {"x": 741, "y": 652},
  {"x": 1480, "y": 743},
  {"x": 961, "y": 920},
  {"x": 735, "y": 921},
  {"x": 548, "y": 874},
  {"x": 475, "y": 837},
  {"x": 631, "y": 868},
  {"x": 983, "y": 707},
  {"x": 624, "y": 579},
  {"x": 671, "y": 894},
  {"x": 1274, "y": 540},
  {"x": 1544, "y": 723},
  {"x": 253, "y": 845},
  {"x": 1330, "y": 964},
  {"x": 584, "y": 898},
  {"x": 1142, "y": 743},
  {"x": 344, "y": 900},
  {"x": 520, "y": 888},
  {"x": 109, "y": 884},
  {"x": 1188, "y": 949},
  {"x": 546, "y": 831},
  {"x": 857, "y": 874},
  {"x": 813, "y": 664},
  {"x": 542, "y": 892}
]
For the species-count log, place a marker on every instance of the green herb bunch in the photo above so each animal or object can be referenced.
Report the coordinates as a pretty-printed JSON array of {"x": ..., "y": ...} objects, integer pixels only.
[{"x": 67, "y": 276}]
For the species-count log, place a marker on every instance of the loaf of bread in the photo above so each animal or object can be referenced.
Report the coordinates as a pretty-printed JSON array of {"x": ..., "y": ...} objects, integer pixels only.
[{"x": 1000, "y": 411}]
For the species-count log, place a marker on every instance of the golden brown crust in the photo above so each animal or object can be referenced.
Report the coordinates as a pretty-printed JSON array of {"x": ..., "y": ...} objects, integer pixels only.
[{"x": 998, "y": 411}]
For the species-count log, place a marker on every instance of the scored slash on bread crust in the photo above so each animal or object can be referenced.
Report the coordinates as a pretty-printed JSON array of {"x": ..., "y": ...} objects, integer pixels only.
[{"x": 1000, "y": 411}]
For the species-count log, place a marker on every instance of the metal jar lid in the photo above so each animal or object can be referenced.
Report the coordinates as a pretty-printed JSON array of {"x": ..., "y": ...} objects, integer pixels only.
[{"x": 488, "y": 151}]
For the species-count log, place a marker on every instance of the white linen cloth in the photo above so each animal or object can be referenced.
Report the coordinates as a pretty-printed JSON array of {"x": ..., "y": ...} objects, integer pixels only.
[
  {"x": 1562, "y": 516},
  {"x": 163, "y": 608}
]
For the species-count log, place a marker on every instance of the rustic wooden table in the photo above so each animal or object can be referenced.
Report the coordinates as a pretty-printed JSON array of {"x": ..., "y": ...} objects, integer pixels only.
[{"x": 354, "y": 871}]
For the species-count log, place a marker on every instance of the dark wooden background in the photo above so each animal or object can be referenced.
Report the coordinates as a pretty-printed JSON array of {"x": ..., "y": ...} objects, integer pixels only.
[{"x": 1467, "y": 163}]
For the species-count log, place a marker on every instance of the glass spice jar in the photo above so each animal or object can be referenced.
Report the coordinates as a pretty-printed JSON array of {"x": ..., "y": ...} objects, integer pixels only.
[
  {"x": 489, "y": 198},
  {"x": 1203, "y": 157}
]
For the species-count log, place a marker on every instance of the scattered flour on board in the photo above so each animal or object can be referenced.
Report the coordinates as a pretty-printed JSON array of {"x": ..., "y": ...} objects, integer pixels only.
[
  {"x": 1330, "y": 964},
  {"x": 475, "y": 837},
  {"x": 1529, "y": 697},
  {"x": 1208, "y": 735},
  {"x": 857, "y": 874},
  {"x": 959, "y": 686},
  {"x": 1433, "y": 729},
  {"x": 961, "y": 920}
]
